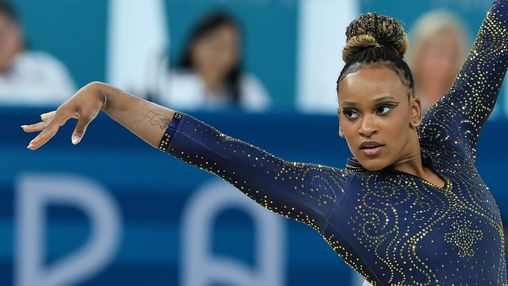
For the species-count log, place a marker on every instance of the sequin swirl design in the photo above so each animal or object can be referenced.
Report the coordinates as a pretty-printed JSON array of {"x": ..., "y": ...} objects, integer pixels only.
[
  {"x": 391, "y": 227},
  {"x": 466, "y": 107},
  {"x": 306, "y": 192},
  {"x": 416, "y": 233}
]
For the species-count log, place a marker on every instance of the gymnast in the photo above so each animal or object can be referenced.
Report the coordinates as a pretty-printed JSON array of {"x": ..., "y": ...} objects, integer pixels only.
[{"x": 408, "y": 209}]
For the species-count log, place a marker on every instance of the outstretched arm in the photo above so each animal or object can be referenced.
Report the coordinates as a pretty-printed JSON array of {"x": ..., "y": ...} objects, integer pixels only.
[
  {"x": 465, "y": 108},
  {"x": 306, "y": 192},
  {"x": 147, "y": 120}
]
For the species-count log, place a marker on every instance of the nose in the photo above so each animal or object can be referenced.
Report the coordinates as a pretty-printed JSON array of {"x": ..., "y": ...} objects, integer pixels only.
[{"x": 368, "y": 127}]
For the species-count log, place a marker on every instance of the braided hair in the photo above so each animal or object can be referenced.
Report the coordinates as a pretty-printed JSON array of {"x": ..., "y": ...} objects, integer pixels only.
[{"x": 378, "y": 42}]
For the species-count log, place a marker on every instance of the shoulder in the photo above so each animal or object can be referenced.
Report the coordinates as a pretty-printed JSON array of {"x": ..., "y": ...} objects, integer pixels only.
[
  {"x": 184, "y": 90},
  {"x": 440, "y": 130},
  {"x": 40, "y": 58},
  {"x": 41, "y": 63},
  {"x": 183, "y": 74}
]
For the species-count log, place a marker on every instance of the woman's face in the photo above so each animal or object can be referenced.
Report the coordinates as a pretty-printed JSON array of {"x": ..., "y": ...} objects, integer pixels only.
[
  {"x": 439, "y": 60},
  {"x": 216, "y": 53},
  {"x": 376, "y": 118},
  {"x": 10, "y": 41}
]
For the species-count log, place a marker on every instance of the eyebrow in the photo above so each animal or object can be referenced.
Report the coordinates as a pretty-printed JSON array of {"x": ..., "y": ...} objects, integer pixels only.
[
  {"x": 348, "y": 103},
  {"x": 375, "y": 101},
  {"x": 384, "y": 98}
]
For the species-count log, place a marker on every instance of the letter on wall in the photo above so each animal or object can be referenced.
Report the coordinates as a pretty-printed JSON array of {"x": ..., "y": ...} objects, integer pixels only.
[
  {"x": 35, "y": 192},
  {"x": 201, "y": 268}
]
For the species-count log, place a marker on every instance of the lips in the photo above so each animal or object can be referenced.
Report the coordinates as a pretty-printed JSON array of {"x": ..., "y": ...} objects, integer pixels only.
[
  {"x": 371, "y": 148},
  {"x": 370, "y": 144}
]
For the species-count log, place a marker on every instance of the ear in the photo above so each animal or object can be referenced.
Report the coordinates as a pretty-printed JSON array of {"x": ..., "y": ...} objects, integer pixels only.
[
  {"x": 340, "y": 115},
  {"x": 416, "y": 111},
  {"x": 341, "y": 132}
]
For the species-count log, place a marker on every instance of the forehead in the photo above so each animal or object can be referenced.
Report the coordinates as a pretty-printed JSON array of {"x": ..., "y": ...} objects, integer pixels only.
[
  {"x": 6, "y": 20},
  {"x": 369, "y": 83},
  {"x": 225, "y": 29}
]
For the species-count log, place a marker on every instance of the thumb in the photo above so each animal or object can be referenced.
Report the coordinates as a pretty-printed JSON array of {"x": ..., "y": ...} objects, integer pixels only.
[{"x": 80, "y": 129}]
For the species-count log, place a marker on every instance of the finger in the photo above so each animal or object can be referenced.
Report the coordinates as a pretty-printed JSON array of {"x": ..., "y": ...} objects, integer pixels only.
[
  {"x": 51, "y": 129},
  {"x": 35, "y": 127},
  {"x": 49, "y": 115},
  {"x": 43, "y": 137},
  {"x": 80, "y": 129},
  {"x": 46, "y": 119}
]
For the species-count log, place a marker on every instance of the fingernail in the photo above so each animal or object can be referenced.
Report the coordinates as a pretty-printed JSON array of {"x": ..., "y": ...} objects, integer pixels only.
[
  {"x": 75, "y": 140},
  {"x": 23, "y": 126},
  {"x": 29, "y": 145}
]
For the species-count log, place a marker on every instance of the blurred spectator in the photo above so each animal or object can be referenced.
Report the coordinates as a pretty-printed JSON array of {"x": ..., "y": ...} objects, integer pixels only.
[
  {"x": 26, "y": 77},
  {"x": 210, "y": 75},
  {"x": 438, "y": 48}
]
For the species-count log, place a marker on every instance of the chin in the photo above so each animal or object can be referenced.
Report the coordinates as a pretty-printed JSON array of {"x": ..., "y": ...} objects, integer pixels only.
[
  {"x": 373, "y": 165},
  {"x": 373, "y": 169}
]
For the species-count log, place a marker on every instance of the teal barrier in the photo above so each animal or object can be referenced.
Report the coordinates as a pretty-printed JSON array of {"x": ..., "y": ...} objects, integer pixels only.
[{"x": 149, "y": 211}]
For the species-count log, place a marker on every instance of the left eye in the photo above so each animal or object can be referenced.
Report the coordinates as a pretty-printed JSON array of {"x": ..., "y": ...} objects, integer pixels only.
[{"x": 383, "y": 109}]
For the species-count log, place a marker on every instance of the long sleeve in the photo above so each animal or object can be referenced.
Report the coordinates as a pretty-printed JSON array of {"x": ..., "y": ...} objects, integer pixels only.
[
  {"x": 306, "y": 192},
  {"x": 459, "y": 116}
]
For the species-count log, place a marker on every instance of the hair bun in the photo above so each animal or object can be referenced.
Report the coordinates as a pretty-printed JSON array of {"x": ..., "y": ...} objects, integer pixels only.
[{"x": 373, "y": 30}]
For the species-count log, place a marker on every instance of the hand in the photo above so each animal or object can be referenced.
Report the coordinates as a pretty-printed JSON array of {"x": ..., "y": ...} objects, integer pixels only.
[{"x": 85, "y": 105}]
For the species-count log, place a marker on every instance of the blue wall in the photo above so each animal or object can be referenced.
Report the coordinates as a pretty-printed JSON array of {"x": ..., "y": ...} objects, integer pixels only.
[{"x": 153, "y": 190}]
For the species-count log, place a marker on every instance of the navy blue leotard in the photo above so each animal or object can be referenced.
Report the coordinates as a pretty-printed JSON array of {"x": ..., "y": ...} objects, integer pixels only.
[{"x": 391, "y": 227}]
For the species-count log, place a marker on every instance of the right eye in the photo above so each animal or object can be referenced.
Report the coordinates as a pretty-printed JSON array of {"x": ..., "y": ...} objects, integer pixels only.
[{"x": 350, "y": 113}]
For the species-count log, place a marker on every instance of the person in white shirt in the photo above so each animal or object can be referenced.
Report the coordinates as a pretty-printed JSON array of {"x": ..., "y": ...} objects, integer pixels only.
[
  {"x": 28, "y": 78},
  {"x": 438, "y": 49},
  {"x": 210, "y": 76}
]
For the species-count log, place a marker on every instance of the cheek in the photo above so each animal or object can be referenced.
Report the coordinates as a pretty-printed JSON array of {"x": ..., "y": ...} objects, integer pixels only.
[
  {"x": 203, "y": 57},
  {"x": 400, "y": 119},
  {"x": 226, "y": 58},
  {"x": 232, "y": 57},
  {"x": 348, "y": 127},
  {"x": 397, "y": 130},
  {"x": 8, "y": 49}
]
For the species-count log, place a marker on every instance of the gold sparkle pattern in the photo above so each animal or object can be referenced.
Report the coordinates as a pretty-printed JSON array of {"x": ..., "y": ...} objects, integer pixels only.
[
  {"x": 391, "y": 227},
  {"x": 463, "y": 237}
]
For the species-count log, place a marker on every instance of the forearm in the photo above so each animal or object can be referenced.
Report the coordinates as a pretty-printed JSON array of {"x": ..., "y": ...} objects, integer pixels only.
[
  {"x": 146, "y": 119},
  {"x": 479, "y": 82},
  {"x": 465, "y": 108}
]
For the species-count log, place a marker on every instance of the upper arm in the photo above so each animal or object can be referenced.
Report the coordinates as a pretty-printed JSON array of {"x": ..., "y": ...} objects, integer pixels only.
[{"x": 305, "y": 192}]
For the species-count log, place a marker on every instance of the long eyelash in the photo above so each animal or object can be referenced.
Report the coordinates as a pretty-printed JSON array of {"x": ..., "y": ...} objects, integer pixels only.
[
  {"x": 388, "y": 105},
  {"x": 347, "y": 110},
  {"x": 391, "y": 105}
]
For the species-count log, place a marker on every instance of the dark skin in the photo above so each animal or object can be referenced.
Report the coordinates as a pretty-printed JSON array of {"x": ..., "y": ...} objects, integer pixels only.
[
  {"x": 379, "y": 122},
  {"x": 374, "y": 107},
  {"x": 147, "y": 120}
]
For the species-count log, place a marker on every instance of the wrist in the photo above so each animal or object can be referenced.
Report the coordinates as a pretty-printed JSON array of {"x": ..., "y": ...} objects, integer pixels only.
[
  {"x": 170, "y": 131},
  {"x": 99, "y": 91}
]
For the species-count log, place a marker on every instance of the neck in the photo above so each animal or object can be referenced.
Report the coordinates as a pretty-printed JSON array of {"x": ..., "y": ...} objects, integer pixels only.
[
  {"x": 213, "y": 86},
  {"x": 413, "y": 164},
  {"x": 212, "y": 80}
]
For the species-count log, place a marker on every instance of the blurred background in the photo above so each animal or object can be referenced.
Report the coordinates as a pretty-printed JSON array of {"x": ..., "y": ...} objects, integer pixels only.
[{"x": 113, "y": 211}]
